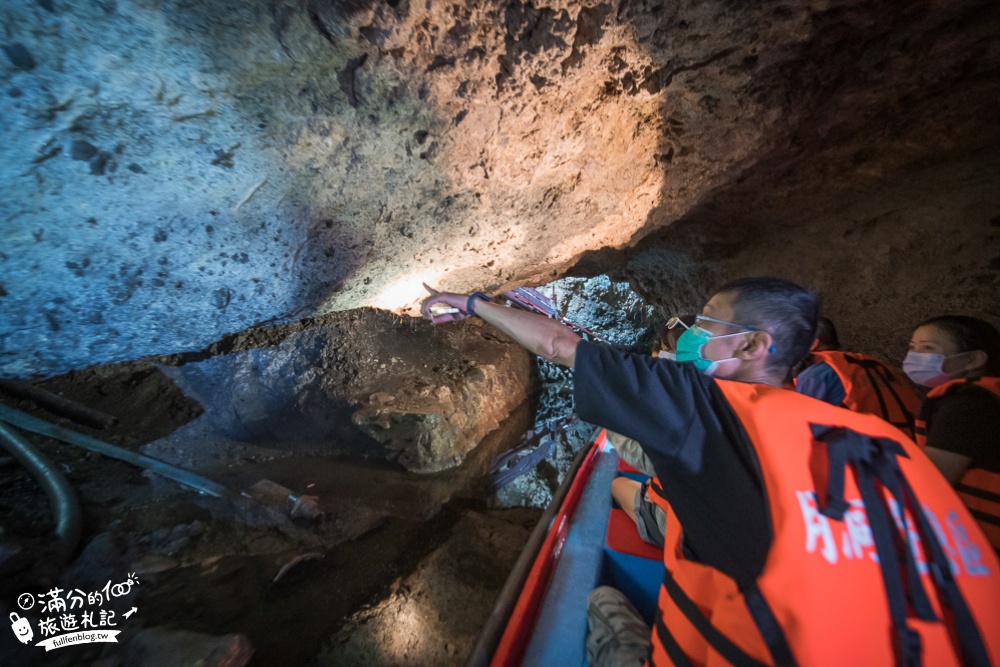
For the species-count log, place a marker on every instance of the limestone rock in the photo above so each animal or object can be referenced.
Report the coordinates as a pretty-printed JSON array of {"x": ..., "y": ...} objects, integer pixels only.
[
  {"x": 330, "y": 383},
  {"x": 258, "y": 161}
]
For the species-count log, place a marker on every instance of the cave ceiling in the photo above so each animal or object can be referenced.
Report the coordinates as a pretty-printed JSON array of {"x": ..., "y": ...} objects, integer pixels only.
[{"x": 177, "y": 170}]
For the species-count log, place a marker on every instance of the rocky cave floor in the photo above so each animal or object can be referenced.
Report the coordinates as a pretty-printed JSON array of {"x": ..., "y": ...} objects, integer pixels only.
[{"x": 400, "y": 569}]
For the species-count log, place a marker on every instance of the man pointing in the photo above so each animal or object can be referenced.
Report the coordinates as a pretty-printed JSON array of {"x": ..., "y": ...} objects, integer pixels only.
[{"x": 765, "y": 571}]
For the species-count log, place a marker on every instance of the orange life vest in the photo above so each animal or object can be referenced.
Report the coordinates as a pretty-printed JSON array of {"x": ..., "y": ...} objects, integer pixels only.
[
  {"x": 979, "y": 489},
  {"x": 873, "y": 388},
  {"x": 837, "y": 587}
]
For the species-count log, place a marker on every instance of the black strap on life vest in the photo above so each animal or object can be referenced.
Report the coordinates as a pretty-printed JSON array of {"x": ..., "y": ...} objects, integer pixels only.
[
  {"x": 722, "y": 644},
  {"x": 670, "y": 645},
  {"x": 874, "y": 462},
  {"x": 980, "y": 493},
  {"x": 931, "y": 404},
  {"x": 880, "y": 377},
  {"x": 843, "y": 447},
  {"x": 769, "y": 627},
  {"x": 979, "y": 515},
  {"x": 965, "y": 630}
]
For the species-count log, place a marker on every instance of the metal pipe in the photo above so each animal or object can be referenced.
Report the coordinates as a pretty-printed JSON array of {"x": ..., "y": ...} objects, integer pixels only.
[
  {"x": 162, "y": 468},
  {"x": 58, "y": 404},
  {"x": 62, "y": 497}
]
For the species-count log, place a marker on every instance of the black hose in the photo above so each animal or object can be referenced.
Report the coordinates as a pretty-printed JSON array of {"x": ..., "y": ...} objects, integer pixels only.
[
  {"x": 201, "y": 484},
  {"x": 62, "y": 497},
  {"x": 58, "y": 404}
]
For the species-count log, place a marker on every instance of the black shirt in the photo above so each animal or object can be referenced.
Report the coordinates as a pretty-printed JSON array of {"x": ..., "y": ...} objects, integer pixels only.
[
  {"x": 699, "y": 449},
  {"x": 966, "y": 420}
]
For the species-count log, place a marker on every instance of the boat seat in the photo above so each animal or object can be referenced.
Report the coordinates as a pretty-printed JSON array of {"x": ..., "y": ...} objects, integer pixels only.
[
  {"x": 631, "y": 565},
  {"x": 630, "y": 472}
]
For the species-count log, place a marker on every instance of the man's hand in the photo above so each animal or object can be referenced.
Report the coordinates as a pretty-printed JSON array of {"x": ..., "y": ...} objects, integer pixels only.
[
  {"x": 538, "y": 334},
  {"x": 441, "y": 307}
]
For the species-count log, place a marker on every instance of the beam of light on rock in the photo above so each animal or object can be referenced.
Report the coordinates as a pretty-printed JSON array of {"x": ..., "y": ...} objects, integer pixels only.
[{"x": 406, "y": 292}]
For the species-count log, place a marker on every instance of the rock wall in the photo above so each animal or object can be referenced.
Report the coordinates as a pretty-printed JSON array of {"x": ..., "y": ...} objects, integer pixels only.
[
  {"x": 926, "y": 243},
  {"x": 615, "y": 313},
  {"x": 178, "y": 170},
  {"x": 365, "y": 384}
]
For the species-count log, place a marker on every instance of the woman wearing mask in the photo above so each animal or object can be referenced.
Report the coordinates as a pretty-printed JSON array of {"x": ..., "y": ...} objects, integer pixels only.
[{"x": 958, "y": 358}]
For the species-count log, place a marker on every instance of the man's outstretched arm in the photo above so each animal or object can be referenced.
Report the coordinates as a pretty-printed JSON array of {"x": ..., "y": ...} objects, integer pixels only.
[{"x": 538, "y": 334}]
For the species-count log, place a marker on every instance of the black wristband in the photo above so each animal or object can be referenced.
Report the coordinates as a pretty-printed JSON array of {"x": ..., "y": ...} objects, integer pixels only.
[{"x": 472, "y": 298}]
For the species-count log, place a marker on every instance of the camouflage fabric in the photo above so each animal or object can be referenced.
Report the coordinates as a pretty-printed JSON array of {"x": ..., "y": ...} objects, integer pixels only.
[
  {"x": 651, "y": 520},
  {"x": 617, "y": 636}
]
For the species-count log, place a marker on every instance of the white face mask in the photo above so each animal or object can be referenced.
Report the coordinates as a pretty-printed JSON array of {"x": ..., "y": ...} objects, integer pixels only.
[
  {"x": 672, "y": 356},
  {"x": 714, "y": 366},
  {"x": 926, "y": 369}
]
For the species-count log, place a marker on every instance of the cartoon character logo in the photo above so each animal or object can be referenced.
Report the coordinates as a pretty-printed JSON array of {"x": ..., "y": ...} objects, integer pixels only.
[{"x": 21, "y": 628}]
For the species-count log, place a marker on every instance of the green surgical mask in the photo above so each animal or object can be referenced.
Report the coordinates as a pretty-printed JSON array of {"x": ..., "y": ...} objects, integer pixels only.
[{"x": 690, "y": 344}]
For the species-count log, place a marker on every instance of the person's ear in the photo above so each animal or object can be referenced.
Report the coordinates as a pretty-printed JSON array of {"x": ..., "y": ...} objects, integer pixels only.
[
  {"x": 757, "y": 344},
  {"x": 814, "y": 345},
  {"x": 975, "y": 360}
]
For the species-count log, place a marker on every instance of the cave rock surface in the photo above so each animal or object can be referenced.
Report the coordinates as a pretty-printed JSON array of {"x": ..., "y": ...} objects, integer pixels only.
[
  {"x": 363, "y": 384},
  {"x": 174, "y": 170}
]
